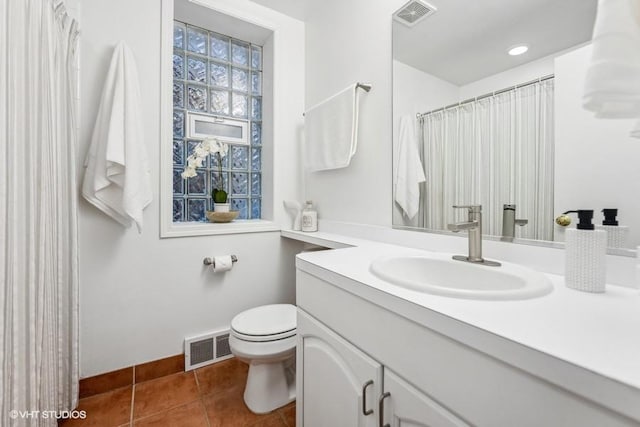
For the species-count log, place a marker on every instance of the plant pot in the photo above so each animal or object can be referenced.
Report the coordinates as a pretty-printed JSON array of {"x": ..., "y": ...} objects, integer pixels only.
[
  {"x": 222, "y": 216},
  {"x": 221, "y": 207}
]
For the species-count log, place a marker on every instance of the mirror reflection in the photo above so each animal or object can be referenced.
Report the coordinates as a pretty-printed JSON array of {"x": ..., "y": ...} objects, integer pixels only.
[{"x": 488, "y": 110}]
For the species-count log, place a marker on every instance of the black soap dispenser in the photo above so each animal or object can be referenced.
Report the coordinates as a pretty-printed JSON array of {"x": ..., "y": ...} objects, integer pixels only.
[
  {"x": 586, "y": 251},
  {"x": 617, "y": 235}
]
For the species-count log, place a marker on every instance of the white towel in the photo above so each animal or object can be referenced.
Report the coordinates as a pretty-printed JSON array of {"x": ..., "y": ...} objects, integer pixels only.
[
  {"x": 331, "y": 131},
  {"x": 117, "y": 177},
  {"x": 612, "y": 88},
  {"x": 410, "y": 172}
]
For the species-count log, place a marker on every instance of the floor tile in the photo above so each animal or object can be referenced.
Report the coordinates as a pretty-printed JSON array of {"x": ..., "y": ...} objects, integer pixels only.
[
  {"x": 270, "y": 421},
  {"x": 222, "y": 377},
  {"x": 106, "y": 382},
  {"x": 189, "y": 415},
  {"x": 289, "y": 414},
  {"x": 164, "y": 393},
  {"x": 228, "y": 410},
  {"x": 110, "y": 409},
  {"x": 159, "y": 368}
]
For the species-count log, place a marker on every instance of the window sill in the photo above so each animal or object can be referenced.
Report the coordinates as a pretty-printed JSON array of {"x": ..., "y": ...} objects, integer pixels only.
[{"x": 190, "y": 229}]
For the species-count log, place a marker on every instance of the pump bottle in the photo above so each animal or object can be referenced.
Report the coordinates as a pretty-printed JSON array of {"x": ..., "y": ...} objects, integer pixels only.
[
  {"x": 616, "y": 234},
  {"x": 586, "y": 251}
]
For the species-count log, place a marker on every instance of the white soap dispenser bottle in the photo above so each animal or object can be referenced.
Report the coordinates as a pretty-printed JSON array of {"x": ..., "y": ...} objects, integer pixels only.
[
  {"x": 309, "y": 218},
  {"x": 616, "y": 234},
  {"x": 586, "y": 252}
]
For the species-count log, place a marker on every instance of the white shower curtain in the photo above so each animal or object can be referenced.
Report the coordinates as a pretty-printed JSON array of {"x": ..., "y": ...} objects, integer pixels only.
[
  {"x": 38, "y": 215},
  {"x": 494, "y": 151}
]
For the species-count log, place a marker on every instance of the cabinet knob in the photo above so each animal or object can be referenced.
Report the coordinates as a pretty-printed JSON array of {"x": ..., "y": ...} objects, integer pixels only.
[
  {"x": 381, "y": 409},
  {"x": 366, "y": 411}
]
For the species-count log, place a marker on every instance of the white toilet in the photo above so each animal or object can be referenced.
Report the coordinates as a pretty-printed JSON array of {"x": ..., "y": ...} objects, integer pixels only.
[{"x": 265, "y": 338}]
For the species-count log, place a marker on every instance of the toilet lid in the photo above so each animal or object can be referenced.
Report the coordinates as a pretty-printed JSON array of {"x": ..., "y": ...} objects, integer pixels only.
[{"x": 266, "y": 320}]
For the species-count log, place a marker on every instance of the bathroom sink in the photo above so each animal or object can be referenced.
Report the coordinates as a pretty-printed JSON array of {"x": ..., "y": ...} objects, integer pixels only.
[{"x": 441, "y": 275}]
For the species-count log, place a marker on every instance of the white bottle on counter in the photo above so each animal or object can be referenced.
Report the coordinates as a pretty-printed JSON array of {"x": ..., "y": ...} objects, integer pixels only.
[
  {"x": 586, "y": 255},
  {"x": 617, "y": 234},
  {"x": 309, "y": 218}
]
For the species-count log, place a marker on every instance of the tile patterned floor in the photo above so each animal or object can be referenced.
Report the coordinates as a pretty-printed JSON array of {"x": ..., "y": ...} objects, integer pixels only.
[{"x": 207, "y": 397}]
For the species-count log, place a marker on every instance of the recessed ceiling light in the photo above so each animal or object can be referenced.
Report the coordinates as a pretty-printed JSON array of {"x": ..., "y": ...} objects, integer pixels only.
[{"x": 518, "y": 50}]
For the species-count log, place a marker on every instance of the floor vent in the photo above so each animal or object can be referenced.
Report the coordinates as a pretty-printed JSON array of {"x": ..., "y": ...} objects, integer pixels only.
[
  {"x": 205, "y": 349},
  {"x": 222, "y": 346},
  {"x": 413, "y": 12}
]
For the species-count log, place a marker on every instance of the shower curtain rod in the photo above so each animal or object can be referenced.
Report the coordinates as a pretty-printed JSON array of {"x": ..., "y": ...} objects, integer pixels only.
[{"x": 487, "y": 95}]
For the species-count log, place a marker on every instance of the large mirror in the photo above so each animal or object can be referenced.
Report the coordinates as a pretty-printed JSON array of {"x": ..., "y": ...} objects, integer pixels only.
[{"x": 487, "y": 110}]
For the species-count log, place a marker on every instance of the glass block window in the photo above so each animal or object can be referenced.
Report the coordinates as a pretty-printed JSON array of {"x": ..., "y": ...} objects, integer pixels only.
[{"x": 220, "y": 76}]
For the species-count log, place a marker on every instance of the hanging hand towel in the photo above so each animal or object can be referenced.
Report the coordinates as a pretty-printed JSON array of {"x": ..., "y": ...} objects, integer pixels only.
[
  {"x": 117, "y": 177},
  {"x": 612, "y": 88},
  {"x": 410, "y": 172},
  {"x": 331, "y": 131}
]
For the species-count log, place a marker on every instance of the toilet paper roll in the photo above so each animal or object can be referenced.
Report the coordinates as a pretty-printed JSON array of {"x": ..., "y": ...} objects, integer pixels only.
[{"x": 222, "y": 263}]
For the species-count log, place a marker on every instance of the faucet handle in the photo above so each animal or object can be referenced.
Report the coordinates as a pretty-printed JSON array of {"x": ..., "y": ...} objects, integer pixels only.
[{"x": 472, "y": 208}]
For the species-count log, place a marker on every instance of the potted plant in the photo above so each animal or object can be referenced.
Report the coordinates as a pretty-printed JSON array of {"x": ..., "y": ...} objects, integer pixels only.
[
  {"x": 218, "y": 195},
  {"x": 205, "y": 148}
]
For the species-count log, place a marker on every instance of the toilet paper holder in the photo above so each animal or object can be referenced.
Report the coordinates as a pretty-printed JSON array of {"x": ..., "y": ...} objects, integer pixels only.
[{"x": 210, "y": 261}]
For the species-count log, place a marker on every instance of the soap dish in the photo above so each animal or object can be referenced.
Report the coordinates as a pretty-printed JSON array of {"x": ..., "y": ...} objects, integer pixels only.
[{"x": 222, "y": 216}]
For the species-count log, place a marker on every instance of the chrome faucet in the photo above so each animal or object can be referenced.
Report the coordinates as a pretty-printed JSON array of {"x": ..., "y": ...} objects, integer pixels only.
[
  {"x": 509, "y": 223},
  {"x": 474, "y": 228}
]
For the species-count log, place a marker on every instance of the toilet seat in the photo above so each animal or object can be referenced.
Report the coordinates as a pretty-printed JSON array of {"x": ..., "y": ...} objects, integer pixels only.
[
  {"x": 264, "y": 338},
  {"x": 266, "y": 323}
]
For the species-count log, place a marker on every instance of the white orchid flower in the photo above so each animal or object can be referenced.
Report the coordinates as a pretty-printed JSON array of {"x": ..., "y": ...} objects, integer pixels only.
[
  {"x": 206, "y": 147},
  {"x": 222, "y": 149},
  {"x": 188, "y": 173},
  {"x": 200, "y": 151}
]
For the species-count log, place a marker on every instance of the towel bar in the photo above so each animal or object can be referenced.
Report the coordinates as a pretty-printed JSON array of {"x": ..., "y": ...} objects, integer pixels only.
[{"x": 364, "y": 86}]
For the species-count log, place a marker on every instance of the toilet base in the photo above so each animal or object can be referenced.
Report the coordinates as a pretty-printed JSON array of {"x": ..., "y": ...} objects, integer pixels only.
[{"x": 270, "y": 386}]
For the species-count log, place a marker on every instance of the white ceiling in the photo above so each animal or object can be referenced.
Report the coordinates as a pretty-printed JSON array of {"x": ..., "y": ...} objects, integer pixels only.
[
  {"x": 466, "y": 40},
  {"x": 293, "y": 8}
]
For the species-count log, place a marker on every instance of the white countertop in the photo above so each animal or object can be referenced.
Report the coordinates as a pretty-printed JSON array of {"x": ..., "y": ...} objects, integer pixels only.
[{"x": 597, "y": 332}]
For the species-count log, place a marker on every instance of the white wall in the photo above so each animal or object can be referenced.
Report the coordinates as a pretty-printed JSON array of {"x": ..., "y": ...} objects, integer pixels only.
[
  {"x": 140, "y": 295},
  {"x": 415, "y": 91},
  {"x": 596, "y": 163},
  {"x": 349, "y": 41},
  {"x": 517, "y": 75}
]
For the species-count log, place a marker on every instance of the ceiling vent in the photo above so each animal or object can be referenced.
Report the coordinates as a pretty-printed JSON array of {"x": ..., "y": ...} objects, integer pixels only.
[{"x": 413, "y": 12}]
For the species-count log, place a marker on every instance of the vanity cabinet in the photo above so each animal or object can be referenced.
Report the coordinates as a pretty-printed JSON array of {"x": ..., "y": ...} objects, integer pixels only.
[
  {"x": 403, "y": 405},
  {"x": 350, "y": 334},
  {"x": 342, "y": 382},
  {"x": 344, "y": 386}
]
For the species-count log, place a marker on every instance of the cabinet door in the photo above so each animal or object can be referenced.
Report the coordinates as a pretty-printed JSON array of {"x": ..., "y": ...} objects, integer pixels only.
[
  {"x": 406, "y": 406},
  {"x": 337, "y": 384}
]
